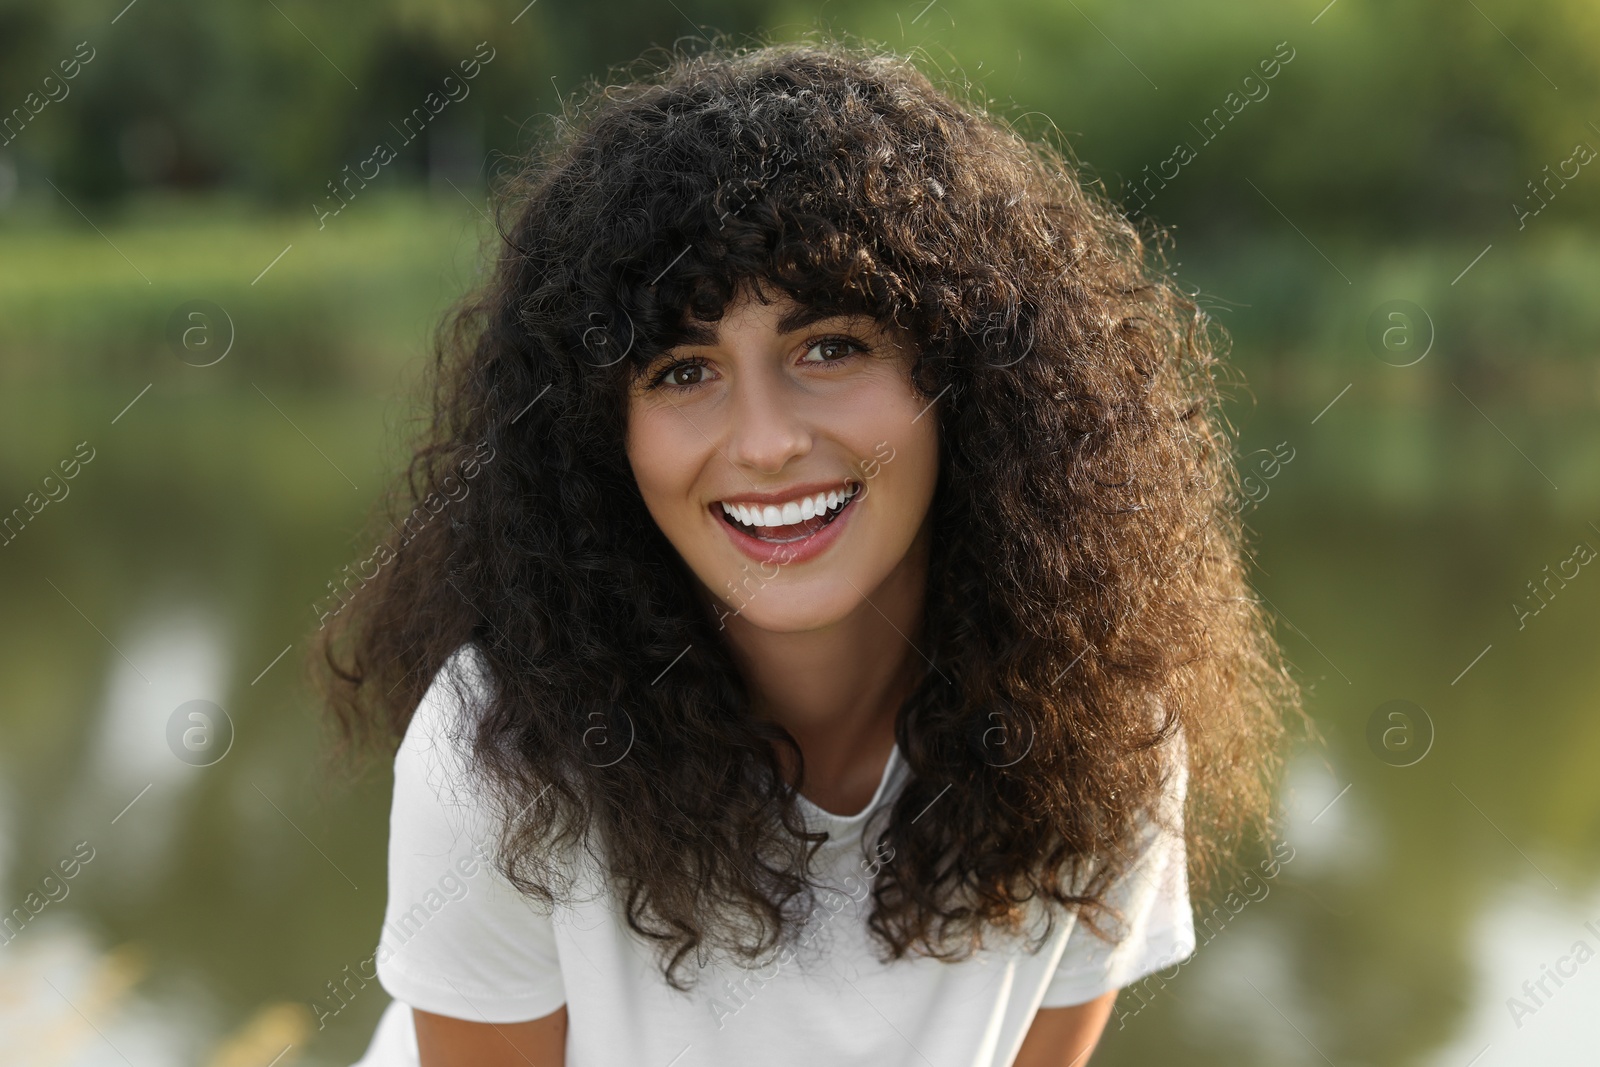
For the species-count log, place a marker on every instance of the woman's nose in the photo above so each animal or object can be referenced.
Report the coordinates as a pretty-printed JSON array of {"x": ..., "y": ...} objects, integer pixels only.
[{"x": 767, "y": 425}]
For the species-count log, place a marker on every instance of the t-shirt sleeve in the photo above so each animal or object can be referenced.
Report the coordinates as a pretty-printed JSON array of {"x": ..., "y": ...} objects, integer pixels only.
[
  {"x": 1153, "y": 895},
  {"x": 458, "y": 939}
]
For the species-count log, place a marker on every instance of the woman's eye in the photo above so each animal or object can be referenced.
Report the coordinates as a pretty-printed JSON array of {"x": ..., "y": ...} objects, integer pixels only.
[
  {"x": 843, "y": 347},
  {"x": 687, "y": 373},
  {"x": 680, "y": 375}
]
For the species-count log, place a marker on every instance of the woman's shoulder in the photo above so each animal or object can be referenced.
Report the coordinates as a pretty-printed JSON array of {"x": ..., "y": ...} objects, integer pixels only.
[
  {"x": 436, "y": 750},
  {"x": 439, "y": 767},
  {"x": 458, "y": 691}
]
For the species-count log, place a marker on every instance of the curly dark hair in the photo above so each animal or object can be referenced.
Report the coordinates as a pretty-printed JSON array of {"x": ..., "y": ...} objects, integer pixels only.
[{"x": 1086, "y": 585}]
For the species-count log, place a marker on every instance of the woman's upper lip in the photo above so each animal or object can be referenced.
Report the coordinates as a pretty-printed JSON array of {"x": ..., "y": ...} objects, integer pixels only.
[{"x": 783, "y": 496}]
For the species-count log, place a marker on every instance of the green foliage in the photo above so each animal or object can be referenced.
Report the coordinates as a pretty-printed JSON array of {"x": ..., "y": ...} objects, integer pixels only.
[
  {"x": 274, "y": 99},
  {"x": 1413, "y": 118}
]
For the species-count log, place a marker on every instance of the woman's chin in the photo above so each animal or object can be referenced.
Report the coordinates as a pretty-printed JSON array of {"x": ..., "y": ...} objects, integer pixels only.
[{"x": 784, "y": 611}]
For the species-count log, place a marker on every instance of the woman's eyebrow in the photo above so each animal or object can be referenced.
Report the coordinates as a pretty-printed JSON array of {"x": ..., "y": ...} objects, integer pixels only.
[
  {"x": 806, "y": 314},
  {"x": 696, "y": 334}
]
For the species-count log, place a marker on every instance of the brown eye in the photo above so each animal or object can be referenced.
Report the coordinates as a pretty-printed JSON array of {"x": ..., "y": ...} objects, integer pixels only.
[
  {"x": 841, "y": 348},
  {"x": 684, "y": 374}
]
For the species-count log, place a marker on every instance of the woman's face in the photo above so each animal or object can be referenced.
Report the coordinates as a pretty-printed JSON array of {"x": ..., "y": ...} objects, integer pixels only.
[{"x": 810, "y": 435}]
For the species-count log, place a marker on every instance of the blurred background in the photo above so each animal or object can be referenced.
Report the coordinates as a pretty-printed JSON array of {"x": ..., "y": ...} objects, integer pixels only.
[{"x": 208, "y": 347}]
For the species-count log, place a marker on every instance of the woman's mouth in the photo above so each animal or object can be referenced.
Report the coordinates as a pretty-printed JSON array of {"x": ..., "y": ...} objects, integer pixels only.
[{"x": 791, "y": 521}]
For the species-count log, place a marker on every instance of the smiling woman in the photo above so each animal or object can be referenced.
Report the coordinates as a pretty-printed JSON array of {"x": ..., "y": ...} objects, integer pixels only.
[{"x": 935, "y": 788}]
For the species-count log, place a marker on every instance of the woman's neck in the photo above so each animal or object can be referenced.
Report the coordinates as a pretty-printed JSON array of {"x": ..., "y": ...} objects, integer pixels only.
[{"x": 838, "y": 689}]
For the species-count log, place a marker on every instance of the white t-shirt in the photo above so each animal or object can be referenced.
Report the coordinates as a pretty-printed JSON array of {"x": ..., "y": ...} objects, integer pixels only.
[{"x": 459, "y": 940}]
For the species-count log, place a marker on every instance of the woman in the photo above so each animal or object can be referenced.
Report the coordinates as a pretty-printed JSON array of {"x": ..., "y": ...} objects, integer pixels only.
[{"x": 814, "y": 604}]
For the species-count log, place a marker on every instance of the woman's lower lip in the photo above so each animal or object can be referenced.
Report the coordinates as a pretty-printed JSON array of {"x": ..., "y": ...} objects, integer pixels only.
[{"x": 792, "y": 551}]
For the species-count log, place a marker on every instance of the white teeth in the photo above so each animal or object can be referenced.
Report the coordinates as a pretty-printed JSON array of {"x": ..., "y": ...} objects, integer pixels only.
[{"x": 789, "y": 513}]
